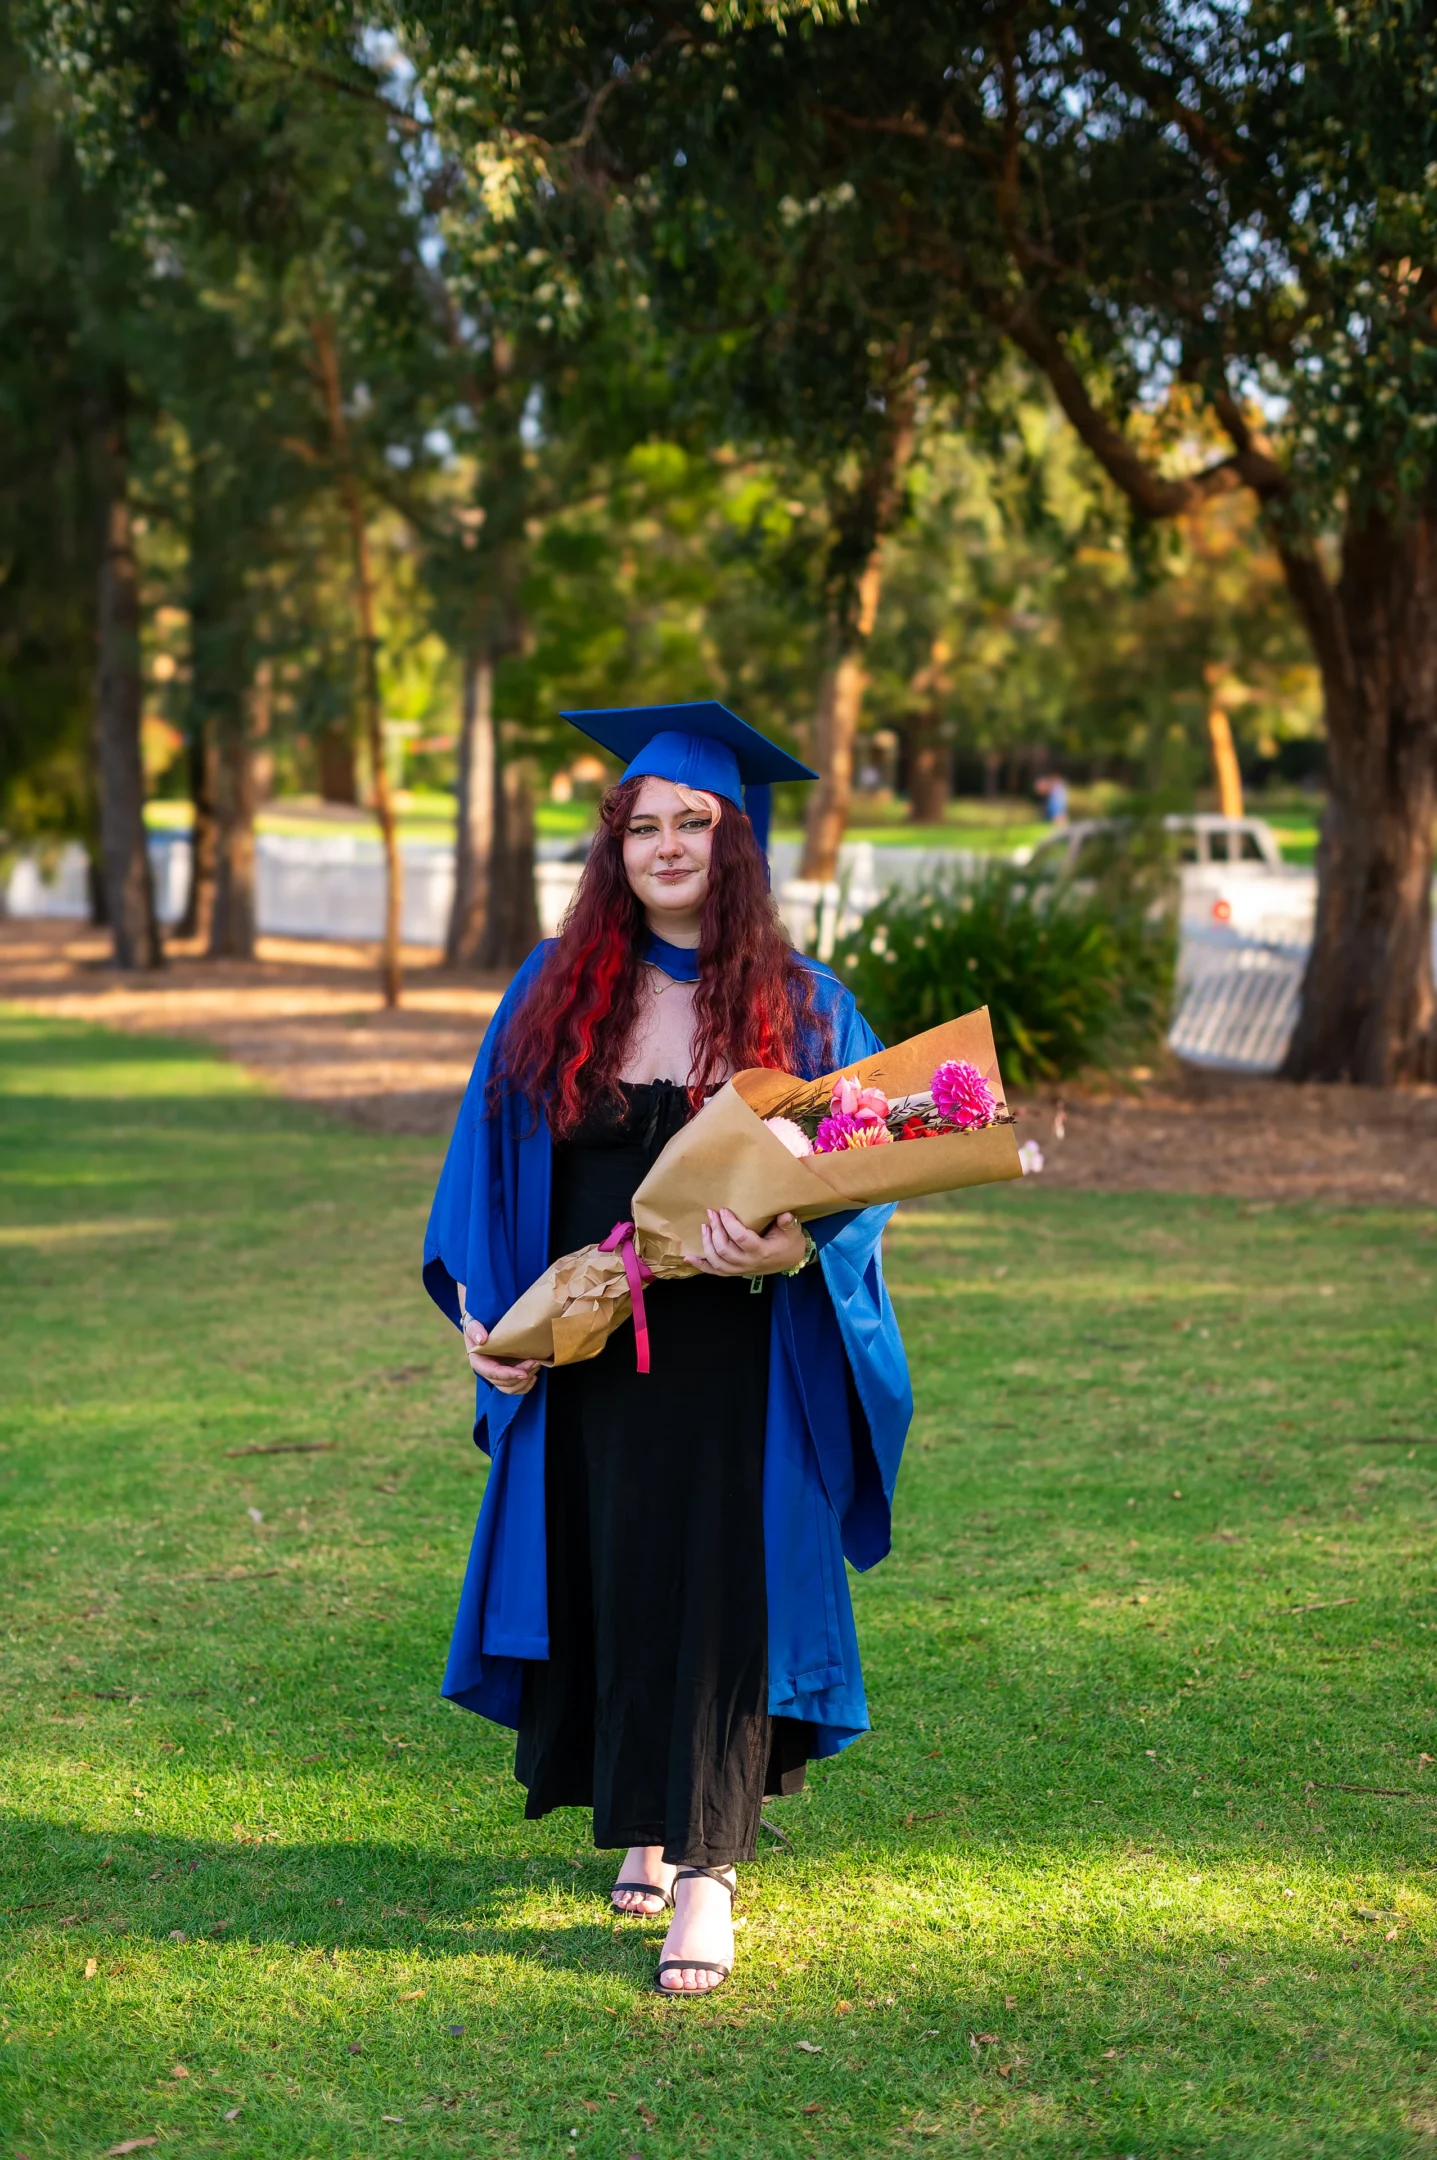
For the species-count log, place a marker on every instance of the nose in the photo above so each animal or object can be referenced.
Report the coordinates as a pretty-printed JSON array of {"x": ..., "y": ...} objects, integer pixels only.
[{"x": 671, "y": 848}]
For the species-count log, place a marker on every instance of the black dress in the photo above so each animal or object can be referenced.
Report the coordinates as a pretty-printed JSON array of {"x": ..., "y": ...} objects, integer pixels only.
[{"x": 652, "y": 1706}]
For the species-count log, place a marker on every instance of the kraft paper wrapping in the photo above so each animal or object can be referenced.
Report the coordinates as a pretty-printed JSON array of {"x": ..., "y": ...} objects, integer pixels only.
[{"x": 726, "y": 1157}]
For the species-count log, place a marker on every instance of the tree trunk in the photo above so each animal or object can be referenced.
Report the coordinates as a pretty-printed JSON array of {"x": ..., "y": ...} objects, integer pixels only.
[
  {"x": 232, "y": 929},
  {"x": 198, "y": 918},
  {"x": 840, "y": 707},
  {"x": 129, "y": 888},
  {"x": 477, "y": 825},
  {"x": 334, "y": 754},
  {"x": 930, "y": 760},
  {"x": 512, "y": 930},
  {"x": 929, "y": 780},
  {"x": 1224, "y": 755},
  {"x": 854, "y": 611},
  {"x": 1368, "y": 1009},
  {"x": 95, "y": 892},
  {"x": 324, "y": 345}
]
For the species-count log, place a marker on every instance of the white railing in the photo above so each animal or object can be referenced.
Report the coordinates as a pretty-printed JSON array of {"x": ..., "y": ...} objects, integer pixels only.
[
  {"x": 1237, "y": 1002},
  {"x": 1239, "y": 975},
  {"x": 327, "y": 886}
]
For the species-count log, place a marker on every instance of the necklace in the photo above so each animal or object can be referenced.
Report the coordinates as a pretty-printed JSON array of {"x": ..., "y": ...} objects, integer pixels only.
[{"x": 659, "y": 981}]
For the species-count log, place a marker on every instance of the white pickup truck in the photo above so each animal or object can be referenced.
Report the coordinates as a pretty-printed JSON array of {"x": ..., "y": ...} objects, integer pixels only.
[{"x": 1234, "y": 880}]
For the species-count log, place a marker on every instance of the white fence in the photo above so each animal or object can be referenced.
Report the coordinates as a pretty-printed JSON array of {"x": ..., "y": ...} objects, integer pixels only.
[
  {"x": 1237, "y": 1002},
  {"x": 330, "y": 886},
  {"x": 1245, "y": 929}
]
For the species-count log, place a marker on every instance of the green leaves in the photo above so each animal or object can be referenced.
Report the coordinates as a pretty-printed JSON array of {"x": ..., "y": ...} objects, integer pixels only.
[{"x": 1071, "y": 977}]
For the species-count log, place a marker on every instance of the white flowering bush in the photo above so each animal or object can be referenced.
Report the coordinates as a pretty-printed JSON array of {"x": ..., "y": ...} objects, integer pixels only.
[{"x": 1072, "y": 978}]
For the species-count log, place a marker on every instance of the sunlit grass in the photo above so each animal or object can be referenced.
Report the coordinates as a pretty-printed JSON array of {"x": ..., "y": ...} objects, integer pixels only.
[{"x": 1090, "y": 1888}]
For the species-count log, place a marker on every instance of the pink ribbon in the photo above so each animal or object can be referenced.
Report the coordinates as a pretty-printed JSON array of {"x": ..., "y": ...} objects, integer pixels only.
[{"x": 621, "y": 1240}]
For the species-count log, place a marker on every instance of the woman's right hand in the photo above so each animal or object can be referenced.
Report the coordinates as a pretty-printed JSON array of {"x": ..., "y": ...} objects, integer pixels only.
[{"x": 510, "y": 1377}]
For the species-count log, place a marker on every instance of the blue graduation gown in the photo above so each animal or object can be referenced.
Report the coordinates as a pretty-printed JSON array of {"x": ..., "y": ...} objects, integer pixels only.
[{"x": 831, "y": 1449}]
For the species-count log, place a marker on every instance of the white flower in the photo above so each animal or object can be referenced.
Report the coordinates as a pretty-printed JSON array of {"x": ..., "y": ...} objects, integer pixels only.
[
  {"x": 794, "y": 1138},
  {"x": 1030, "y": 1155}
]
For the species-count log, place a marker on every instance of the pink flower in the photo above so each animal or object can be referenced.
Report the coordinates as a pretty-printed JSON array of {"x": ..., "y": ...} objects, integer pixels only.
[
  {"x": 868, "y": 1105},
  {"x": 794, "y": 1138},
  {"x": 842, "y": 1129},
  {"x": 962, "y": 1097}
]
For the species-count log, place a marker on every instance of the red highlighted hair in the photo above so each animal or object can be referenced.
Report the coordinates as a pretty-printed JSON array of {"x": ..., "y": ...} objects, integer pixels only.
[{"x": 564, "y": 1049}]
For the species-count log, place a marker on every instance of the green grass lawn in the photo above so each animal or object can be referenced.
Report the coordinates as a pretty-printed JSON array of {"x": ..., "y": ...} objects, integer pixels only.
[
  {"x": 1296, "y": 829},
  {"x": 1093, "y": 1886}
]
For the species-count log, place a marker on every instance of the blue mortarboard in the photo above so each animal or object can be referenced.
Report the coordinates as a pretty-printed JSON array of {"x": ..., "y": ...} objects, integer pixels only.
[{"x": 702, "y": 745}]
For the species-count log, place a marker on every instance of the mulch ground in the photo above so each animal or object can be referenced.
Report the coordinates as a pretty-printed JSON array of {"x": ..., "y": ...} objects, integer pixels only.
[
  {"x": 305, "y": 1015},
  {"x": 308, "y": 1018}
]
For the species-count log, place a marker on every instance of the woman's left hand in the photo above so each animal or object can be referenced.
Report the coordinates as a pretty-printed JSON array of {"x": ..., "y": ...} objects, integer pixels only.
[{"x": 732, "y": 1249}]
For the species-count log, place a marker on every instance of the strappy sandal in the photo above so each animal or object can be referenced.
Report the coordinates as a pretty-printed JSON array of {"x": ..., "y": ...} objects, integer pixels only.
[
  {"x": 644, "y": 1889},
  {"x": 691, "y": 1964}
]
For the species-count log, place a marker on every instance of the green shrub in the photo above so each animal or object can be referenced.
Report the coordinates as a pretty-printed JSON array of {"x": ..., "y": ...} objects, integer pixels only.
[{"x": 1073, "y": 976}]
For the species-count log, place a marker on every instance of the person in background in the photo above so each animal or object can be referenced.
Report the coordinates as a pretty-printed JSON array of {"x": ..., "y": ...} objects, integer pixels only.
[{"x": 1053, "y": 789}]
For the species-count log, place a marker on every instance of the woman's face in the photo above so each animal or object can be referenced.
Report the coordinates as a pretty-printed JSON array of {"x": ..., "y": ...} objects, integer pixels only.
[{"x": 667, "y": 846}]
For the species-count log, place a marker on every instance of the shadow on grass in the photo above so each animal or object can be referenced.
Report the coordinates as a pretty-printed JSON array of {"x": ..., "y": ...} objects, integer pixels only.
[{"x": 141, "y": 1887}]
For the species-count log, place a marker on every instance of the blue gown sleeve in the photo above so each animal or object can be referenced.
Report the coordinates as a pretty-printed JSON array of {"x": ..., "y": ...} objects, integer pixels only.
[
  {"x": 460, "y": 1241},
  {"x": 489, "y": 1224}
]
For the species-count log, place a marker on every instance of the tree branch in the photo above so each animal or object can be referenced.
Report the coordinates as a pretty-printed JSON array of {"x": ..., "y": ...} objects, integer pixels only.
[
  {"x": 908, "y": 125},
  {"x": 677, "y": 34},
  {"x": 1258, "y": 467},
  {"x": 1313, "y": 596},
  {"x": 370, "y": 96},
  {"x": 1156, "y": 494}
]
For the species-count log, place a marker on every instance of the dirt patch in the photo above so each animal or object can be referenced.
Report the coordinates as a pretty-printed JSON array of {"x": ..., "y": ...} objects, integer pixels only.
[
  {"x": 308, "y": 1018},
  {"x": 1258, "y": 1140}
]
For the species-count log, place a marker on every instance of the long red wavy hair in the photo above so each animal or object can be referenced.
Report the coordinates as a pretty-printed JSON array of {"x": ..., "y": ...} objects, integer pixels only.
[{"x": 564, "y": 1048}]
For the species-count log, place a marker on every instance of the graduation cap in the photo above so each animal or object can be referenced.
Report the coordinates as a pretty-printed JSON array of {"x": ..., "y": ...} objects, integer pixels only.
[{"x": 702, "y": 745}]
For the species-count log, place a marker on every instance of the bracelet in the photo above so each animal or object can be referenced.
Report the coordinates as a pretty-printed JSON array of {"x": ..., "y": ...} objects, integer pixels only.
[{"x": 810, "y": 1252}]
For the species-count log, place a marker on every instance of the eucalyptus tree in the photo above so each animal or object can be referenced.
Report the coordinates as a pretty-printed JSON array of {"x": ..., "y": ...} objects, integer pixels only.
[
  {"x": 259, "y": 161},
  {"x": 1025, "y": 617},
  {"x": 1240, "y": 199},
  {"x": 76, "y": 318},
  {"x": 722, "y": 325}
]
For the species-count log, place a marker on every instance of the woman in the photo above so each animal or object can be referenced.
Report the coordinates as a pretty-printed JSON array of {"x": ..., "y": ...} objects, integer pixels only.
[{"x": 656, "y": 1597}]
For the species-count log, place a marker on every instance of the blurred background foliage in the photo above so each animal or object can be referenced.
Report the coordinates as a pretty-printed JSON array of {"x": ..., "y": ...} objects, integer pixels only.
[
  {"x": 415, "y": 434},
  {"x": 580, "y": 507}
]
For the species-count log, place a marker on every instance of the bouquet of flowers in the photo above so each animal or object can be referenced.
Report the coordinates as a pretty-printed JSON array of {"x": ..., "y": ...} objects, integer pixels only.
[
  {"x": 956, "y": 1099},
  {"x": 926, "y": 1116}
]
